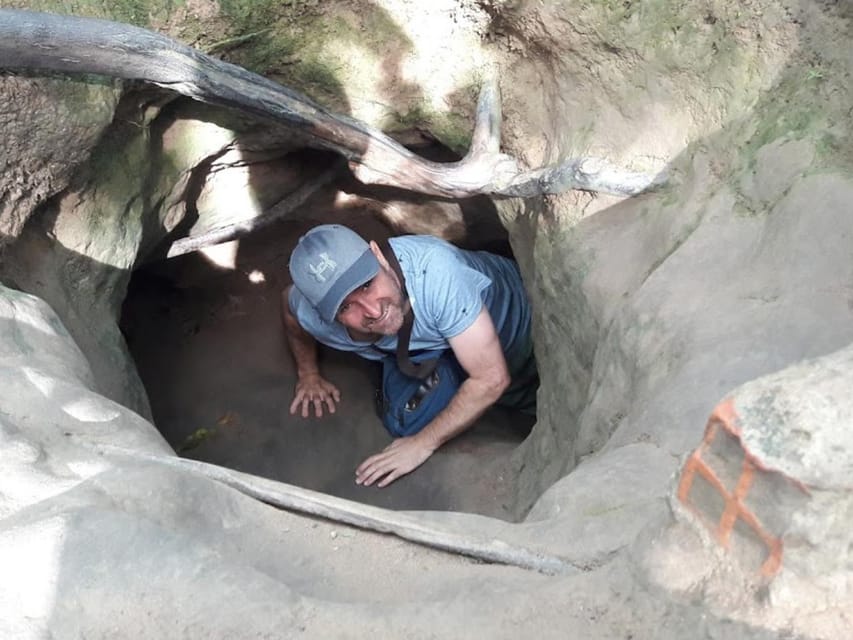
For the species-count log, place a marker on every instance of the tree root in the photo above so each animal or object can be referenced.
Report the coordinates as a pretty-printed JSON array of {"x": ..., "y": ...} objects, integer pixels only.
[
  {"x": 70, "y": 44},
  {"x": 408, "y": 526},
  {"x": 239, "y": 229}
]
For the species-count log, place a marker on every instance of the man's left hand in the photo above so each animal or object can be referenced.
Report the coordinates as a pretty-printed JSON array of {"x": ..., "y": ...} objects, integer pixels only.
[{"x": 400, "y": 457}]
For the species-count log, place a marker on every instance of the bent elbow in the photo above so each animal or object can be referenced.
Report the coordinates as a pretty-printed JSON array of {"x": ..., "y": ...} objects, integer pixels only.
[{"x": 499, "y": 385}]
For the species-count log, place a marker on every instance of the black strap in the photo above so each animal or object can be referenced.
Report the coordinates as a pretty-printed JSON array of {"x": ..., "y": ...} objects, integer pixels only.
[{"x": 420, "y": 370}]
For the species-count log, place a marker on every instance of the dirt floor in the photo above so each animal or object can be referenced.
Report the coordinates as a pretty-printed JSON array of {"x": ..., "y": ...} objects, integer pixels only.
[{"x": 209, "y": 345}]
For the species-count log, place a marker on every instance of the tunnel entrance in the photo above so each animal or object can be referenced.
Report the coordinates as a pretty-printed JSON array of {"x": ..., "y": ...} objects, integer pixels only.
[{"x": 206, "y": 333}]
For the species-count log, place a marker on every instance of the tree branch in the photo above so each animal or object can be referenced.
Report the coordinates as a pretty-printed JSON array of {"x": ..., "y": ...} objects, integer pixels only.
[
  {"x": 71, "y": 44},
  {"x": 239, "y": 229}
]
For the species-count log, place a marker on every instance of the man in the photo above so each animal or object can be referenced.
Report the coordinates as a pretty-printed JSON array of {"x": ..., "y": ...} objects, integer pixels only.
[{"x": 346, "y": 295}]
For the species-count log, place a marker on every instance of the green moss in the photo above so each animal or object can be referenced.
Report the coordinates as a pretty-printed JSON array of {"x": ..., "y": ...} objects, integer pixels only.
[
  {"x": 110, "y": 164},
  {"x": 266, "y": 50},
  {"x": 669, "y": 195},
  {"x": 317, "y": 79},
  {"x": 86, "y": 99},
  {"x": 285, "y": 60},
  {"x": 251, "y": 15},
  {"x": 309, "y": 48},
  {"x": 288, "y": 50},
  {"x": 828, "y": 144},
  {"x": 453, "y": 129},
  {"x": 799, "y": 106},
  {"x": 141, "y": 13},
  {"x": 123, "y": 178},
  {"x": 681, "y": 36},
  {"x": 786, "y": 114},
  {"x": 195, "y": 439}
]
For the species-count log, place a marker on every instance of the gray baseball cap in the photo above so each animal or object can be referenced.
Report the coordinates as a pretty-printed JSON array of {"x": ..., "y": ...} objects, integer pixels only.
[{"x": 328, "y": 263}]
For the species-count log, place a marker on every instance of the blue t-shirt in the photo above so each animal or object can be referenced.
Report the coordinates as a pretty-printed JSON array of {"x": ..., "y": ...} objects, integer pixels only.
[{"x": 447, "y": 287}]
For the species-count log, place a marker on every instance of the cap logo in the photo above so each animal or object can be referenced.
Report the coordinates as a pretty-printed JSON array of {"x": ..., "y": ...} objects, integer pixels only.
[{"x": 319, "y": 270}]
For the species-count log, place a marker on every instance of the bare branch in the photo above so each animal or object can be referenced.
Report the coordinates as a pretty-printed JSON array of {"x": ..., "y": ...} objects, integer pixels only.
[
  {"x": 70, "y": 44},
  {"x": 487, "y": 130},
  {"x": 239, "y": 229}
]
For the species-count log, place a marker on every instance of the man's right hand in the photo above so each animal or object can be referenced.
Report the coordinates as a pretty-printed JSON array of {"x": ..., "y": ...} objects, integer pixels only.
[{"x": 314, "y": 390}]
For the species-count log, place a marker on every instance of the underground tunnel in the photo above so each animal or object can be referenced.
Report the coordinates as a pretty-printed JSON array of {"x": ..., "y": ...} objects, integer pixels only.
[
  {"x": 205, "y": 330},
  {"x": 673, "y": 180}
]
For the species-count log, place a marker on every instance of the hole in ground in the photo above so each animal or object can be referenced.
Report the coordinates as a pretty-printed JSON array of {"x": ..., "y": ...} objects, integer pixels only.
[{"x": 209, "y": 346}]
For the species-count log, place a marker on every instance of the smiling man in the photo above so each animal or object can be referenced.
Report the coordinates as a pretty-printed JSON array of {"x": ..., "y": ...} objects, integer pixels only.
[{"x": 469, "y": 310}]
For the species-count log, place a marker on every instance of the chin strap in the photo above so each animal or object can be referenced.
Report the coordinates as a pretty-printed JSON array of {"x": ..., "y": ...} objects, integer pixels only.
[{"x": 420, "y": 370}]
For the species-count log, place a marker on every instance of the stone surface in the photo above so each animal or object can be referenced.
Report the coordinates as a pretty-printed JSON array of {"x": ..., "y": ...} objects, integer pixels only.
[
  {"x": 648, "y": 312},
  {"x": 770, "y": 485},
  {"x": 102, "y": 538},
  {"x": 46, "y": 136}
]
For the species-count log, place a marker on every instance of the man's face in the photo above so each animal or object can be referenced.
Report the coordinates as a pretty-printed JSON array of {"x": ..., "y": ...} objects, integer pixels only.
[{"x": 374, "y": 307}]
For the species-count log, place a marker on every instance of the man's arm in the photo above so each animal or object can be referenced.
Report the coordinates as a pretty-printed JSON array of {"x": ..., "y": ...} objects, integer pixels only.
[
  {"x": 478, "y": 350},
  {"x": 311, "y": 387}
]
